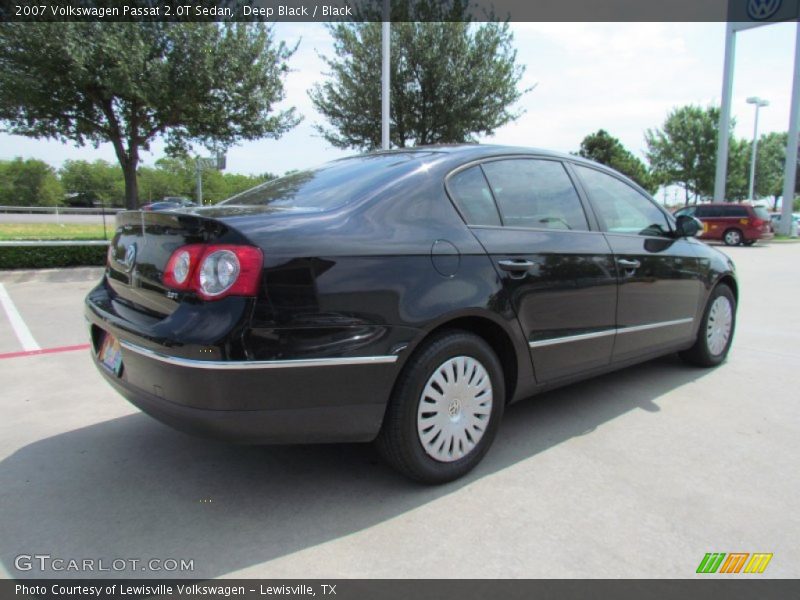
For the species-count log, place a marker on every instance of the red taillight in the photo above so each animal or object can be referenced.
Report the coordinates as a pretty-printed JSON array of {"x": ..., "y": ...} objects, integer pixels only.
[
  {"x": 181, "y": 266},
  {"x": 215, "y": 271}
]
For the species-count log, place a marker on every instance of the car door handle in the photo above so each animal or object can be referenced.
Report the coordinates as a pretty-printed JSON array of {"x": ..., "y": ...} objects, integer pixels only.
[
  {"x": 628, "y": 264},
  {"x": 515, "y": 266}
]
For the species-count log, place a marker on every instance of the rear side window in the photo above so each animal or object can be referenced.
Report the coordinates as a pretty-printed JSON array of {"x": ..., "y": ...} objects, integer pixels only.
[
  {"x": 734, "y": 211},
  {"x": 473, "y": 197},
  {"x": 535, "y": 193},
  {"x": 621, "y": 208},
  {"x": 761, "y": 213},
  {"x": 710, "y": 211}
]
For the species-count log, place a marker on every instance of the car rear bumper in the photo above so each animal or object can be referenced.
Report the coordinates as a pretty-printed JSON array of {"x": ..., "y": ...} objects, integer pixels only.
[
  {"x": 320, "y": 424},
  {"x": 340, "y": 398}
]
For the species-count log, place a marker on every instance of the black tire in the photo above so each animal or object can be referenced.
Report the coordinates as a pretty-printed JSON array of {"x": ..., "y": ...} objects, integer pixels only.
[
  {"x": 749, "y": 242},
  {"x": 701, "y": 355},
  {"x": 732, "y": 237},
  {"x": 399, "y": 440}
]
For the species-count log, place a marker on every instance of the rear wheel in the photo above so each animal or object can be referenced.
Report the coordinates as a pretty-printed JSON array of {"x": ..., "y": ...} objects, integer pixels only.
[
  {"x": 445, "y": 410},
  {"x": 732, "y": 237},
  {"x": 716, "y": 330}
]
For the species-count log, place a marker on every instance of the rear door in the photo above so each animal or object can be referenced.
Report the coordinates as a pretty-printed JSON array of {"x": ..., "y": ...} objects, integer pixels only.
[
  {"x": 556, "y": 272},
  {"x": 660, "y": 280}
]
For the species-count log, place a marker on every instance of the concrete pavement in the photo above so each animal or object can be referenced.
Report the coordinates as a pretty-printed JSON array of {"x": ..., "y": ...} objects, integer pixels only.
[{"x": 635, "y": 474}]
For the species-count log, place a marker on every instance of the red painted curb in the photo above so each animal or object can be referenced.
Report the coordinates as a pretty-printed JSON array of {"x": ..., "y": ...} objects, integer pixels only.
[{"x": 55, "y": 350}]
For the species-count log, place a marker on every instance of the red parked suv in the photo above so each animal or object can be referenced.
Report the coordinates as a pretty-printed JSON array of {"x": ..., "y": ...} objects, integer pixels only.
[{"x": 734, "y": 224}]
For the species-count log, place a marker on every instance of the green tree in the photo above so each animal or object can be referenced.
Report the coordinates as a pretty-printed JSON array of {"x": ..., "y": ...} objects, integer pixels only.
[
  {"x": 90, "y": 182},
  {"x": 449, "y": 80},
  {"x": 236, "y": 182},
  {"x": 166, "y": 178},
  {"x": 177, "y": 176},
  {"x": 29, "y": 182},
  {"x": 770, "y": 166},
  {"x": 607, "y": 150},
  {"x": 129, "y": 83},
  {"x": 683, "y": 151},
  {"x": 738, "y": 184}
]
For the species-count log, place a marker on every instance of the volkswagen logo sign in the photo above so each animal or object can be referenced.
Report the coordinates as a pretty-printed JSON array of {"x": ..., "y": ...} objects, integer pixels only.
[
  {"x": 130, "y": 257},
  {"x": 761, "y": 10}
]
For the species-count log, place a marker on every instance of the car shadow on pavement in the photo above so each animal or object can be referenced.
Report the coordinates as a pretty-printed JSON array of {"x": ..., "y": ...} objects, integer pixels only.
[{"x": 132, "y": 488}]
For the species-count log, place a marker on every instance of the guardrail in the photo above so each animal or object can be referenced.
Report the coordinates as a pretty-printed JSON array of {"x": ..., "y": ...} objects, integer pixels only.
[
  {"x": 37, "y": 243},
  {"x": 62, "y": 210}
]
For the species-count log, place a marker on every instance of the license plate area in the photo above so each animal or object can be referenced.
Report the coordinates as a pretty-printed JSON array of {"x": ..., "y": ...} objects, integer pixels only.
[{"x": 110, "y": 354}]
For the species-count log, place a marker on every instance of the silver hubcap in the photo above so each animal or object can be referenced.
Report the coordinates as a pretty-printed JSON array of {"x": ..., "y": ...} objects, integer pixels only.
[
  {"x": 732, "y": 237},
  {"x": 454, "y": 409},
  {"x": 718, "y": 327}
]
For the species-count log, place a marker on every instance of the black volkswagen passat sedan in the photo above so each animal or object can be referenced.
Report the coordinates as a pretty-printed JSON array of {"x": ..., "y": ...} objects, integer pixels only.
[{"x": 404, "y": 297}]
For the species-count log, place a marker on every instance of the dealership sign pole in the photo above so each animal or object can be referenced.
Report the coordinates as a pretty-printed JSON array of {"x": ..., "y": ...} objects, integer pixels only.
[
  {"x": 747, "y": 14},
  {"x": 385, "y": 74},
  {"x": 790, "y": 175}
]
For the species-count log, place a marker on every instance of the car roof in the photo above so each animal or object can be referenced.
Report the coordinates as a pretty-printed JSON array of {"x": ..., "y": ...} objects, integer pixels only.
[
  {"x": 476, "y": 151},
  {"x": 450, "y": 156}
]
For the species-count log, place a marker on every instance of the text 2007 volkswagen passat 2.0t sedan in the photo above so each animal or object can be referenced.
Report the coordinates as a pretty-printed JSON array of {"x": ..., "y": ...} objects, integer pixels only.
[{"x": 404, "y": 297}]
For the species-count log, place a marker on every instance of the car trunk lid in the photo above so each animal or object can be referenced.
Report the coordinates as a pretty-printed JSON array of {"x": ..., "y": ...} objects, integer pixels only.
[{"x": 141, "y": 248}]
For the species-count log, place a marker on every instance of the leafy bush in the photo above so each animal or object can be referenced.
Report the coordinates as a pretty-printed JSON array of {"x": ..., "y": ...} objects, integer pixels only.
[{"x": 49, "y": 257}]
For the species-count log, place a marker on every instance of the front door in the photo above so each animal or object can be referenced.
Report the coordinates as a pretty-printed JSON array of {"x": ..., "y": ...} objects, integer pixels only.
[
  {"x": 558, "y": 275},
  {"x": 660, "y": 281}
]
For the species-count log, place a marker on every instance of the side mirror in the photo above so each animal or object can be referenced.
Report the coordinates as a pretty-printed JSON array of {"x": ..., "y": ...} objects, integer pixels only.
[{"x": 686, "y": 226}]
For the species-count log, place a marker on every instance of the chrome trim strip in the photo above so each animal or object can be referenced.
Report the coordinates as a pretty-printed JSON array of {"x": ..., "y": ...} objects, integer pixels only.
[
  {"x": 637, "y": 328},
  {"x": 598, "y": 334},
  {"x": 256, "y": 364},
  {"x": 572, "y": 338}
]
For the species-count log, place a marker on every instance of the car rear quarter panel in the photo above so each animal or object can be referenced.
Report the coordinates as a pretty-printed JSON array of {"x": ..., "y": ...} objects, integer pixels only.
[{"x": 376, "y": 280}]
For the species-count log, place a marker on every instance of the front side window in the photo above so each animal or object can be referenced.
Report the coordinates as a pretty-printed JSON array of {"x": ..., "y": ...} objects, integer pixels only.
[
  {"x": 535, "y": 193},
  {"x": 473, "y": 197},
  {"x": 620, "y": 207},
  {"x": 688, "y": 211}
]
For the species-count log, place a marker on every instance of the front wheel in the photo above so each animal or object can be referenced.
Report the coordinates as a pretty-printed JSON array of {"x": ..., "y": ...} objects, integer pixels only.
[
  {"x": 445, "y": 409},
  {"x": 715, "y": 334},
  {"x": 732, "y": 237}
]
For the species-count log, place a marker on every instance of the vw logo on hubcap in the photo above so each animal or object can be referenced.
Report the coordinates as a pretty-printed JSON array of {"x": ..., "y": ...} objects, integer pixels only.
[{"x": 454, "y": 409}]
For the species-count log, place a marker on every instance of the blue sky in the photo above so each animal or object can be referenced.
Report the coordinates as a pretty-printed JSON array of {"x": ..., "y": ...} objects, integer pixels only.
[{"x": 623, "y": 77}]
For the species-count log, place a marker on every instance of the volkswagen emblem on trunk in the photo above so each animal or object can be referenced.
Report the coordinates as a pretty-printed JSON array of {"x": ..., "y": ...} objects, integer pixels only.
[
  {"x": 130, "y": 257},
  {"x": 761, "y": 10}
]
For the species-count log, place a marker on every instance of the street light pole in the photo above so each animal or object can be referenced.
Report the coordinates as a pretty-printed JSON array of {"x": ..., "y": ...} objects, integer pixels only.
[{"x": 759, "y": 103}]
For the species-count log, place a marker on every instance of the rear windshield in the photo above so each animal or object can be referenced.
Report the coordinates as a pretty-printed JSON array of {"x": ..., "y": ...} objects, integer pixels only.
[
  {"x": 761, "y": 213},
  {"x": 332, "y": 185}
]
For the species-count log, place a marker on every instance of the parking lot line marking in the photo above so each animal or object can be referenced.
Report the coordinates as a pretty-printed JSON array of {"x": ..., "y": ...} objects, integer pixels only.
[
  {"x": 54, "y": 350},
  {"x": 24, "y": 334}
]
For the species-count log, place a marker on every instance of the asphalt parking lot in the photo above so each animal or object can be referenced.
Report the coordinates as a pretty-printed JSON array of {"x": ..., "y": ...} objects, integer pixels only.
[{"x": 635, "y": 474}]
